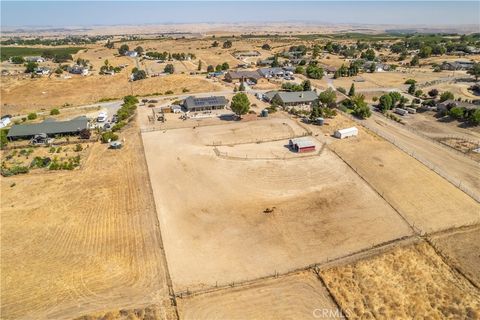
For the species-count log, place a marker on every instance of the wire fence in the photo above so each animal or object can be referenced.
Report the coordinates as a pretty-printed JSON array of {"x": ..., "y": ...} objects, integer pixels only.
[{"x": 456, "y": 182}]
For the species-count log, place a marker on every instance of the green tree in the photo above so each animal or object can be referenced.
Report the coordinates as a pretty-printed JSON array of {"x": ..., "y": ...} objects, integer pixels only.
[
  {"x": 169, "y": 69},
  {"x": 475, "y": 71},
  {"x": 360, "y": 107},
  {"x": 241, "y": 87},
  {"x": 385, "y": 102},
  {"x": 412, "y": 89},
  {"x": 218, "y": 67},
  {"x": 307, "y": 85},
  {"x": 139, "y": 75},
  {"x": 447, "y": 95},
  {"x": 414, "y": 61},
  {"x": 275, "y": 62},
  {"x": 240, "y": 104},
  {"x": 373, "y": 67},
  {"x": 266, "y": 46},
  {"x": 30, "y": 67},
  {"x": 327, "y": 97},
  {"x": 425, "y": 52},
  {"x": 369, "y": 54},
  {"x": 314, "y": 72},
  {"x": 199, "y": 65},
  {"x": 17, "y": 60},
  {"x": 123, "y": 48},
  {"x": 433, "y": 93},
  {"x": 351, "y": 92},
  {"x": 474, "y": 118},
  {"x": 396, "y": 96},
  {"x": 315, "y": 113},
  {"x": 210, "y": 68},
  {"x": 227, "y": 44},
  {"x": 299, "y": 70},
  {"x": 139, "y": 50},
  {"x": 54, "y": 112},
  {"x": 32, "y": 116},
  {"x": 225, "y": 66},
  {"x": 456, "y": 112},
  {"x": 215, "y": 44}
]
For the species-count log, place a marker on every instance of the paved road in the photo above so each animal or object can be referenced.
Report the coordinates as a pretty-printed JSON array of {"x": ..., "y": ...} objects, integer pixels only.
[{"x": 452, "y": 163}]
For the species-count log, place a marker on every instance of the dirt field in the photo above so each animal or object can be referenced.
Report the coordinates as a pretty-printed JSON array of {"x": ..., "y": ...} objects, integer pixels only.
[
  {"x": 82, "y": 240},
  {"x": 297, "y": 296},
  {"x": 428, "y": 201},
  {"x": 17, "y": 96},
  {"x": 403, "y": 284},
  {"x": 215, "y": 212},
  {"x": 462, "y": 247}
]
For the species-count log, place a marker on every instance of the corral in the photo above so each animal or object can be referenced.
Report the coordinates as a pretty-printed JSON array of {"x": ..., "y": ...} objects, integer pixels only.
[{"x": 245, "y": 219}]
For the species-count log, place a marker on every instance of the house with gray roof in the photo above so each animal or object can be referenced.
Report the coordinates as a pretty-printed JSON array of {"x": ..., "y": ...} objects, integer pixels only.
[
  {"x": 298, "y": 98},
  {"x": 194, "y": 104},
  {"x": 239, "y": 76},
  {"x": 49, "y": 127}
]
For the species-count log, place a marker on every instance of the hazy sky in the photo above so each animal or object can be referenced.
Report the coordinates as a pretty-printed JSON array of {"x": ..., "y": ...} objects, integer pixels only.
[{"x": 88, "y": 13}]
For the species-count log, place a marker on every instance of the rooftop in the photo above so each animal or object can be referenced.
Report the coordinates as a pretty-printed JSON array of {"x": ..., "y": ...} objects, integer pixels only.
[
  {"x": 49, "y": 127},
  {"x": 297, "y": 97},
  {"x": 213, "y": 101}
]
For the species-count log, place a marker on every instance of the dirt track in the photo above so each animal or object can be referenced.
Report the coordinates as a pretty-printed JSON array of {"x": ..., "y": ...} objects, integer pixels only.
[
  {"x": 211, "y": 210},
  {"x": 82, "y": 241}
]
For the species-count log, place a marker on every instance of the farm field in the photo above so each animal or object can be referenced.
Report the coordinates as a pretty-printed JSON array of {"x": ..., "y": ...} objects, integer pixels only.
[
  {"x": 82, "y": 241},
  {"x": 462, "y": 248},
  {"x": 241, "y": 220},
  {"x": 295, "y": 296},
  {"x": 54, "y": 92},
  {"x": 427, "y": 201},
  {"x": 402, "y": 284}
]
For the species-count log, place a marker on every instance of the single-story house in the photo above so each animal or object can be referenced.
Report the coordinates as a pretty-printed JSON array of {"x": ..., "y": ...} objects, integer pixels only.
[
  {"x": 36, "y": 59},
  {"x": 447, "y": 104},
  {"x": 241, "y": 54},
  {"x": 271, "y": 72},
  {"x": 131, "y": 54},
  {"x": 76, "y": 69},
  {"x": 239, "y": 76},
  {"x": 329, "y": 69},
  {"x": 379, "y": 67},
  {"x": 268, "y": 96},
  {"x": 301, "y": 145},
  {"x": 194, "y": 104},
  {"x": 50, "y": 127},
  {"x": 265, "y": 62},
  {"x": 456, "y": 65},
  {"x": 298, "y": 98}
]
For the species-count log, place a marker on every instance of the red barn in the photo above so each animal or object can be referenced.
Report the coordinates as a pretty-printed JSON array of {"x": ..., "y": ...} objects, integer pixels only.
[{"x": 302, "y": 145}]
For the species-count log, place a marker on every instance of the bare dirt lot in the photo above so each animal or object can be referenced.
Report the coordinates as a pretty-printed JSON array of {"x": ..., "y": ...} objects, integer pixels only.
[
  {"x": 428, "y": 201},
  {"x": 81, "y": 241},
  {"x": 403, "y": 284},
  {"x": 462, "y": 247},
  {"x": 242, "y": 220},
  {"x": 297, "y": 296}
]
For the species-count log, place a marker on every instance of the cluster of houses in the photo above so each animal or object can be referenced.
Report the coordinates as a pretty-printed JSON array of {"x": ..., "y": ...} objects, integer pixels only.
[{"x": 457, "y": 65}]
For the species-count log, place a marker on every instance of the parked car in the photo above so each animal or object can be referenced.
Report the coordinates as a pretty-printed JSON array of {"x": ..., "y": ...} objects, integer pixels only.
[{"x": 115, "y": 118}]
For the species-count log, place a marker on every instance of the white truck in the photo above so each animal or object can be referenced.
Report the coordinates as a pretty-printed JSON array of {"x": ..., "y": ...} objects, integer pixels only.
[{"x": 102, "y": 117}]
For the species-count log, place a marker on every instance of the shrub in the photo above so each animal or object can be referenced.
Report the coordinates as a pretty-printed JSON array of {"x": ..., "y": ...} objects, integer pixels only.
[
  {"x": 169, "y": 92},
  {"x": 39, "y": 162},
  {"x": 184, "y": 90},
  {"x": 32, "y": 116},
  {"x": 342, "y": 90},
  {"x": 7, "y": 172},
  {"x": 54, "y": 112},
  {"x": 410, "y": 81},
  {"x": 119, "y": 126},
  {"x": 78, "y": 147},
  {"x": 106, "y": 136},
  {"x": 3, "y": 138}
]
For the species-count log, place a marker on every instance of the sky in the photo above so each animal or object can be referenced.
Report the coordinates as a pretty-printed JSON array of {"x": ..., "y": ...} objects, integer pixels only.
[{"x": 95, "y": 13}]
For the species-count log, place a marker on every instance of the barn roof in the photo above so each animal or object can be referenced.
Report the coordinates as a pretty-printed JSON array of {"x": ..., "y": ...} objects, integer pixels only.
[
  {"x": 49, "y": 127},
  {"x": 303, "y": 142}
]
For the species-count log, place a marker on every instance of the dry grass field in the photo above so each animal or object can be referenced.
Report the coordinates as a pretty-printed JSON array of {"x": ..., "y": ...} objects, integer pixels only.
[
  {"x": 405, "y": 283},
  {"x": 244, "y": 219},
  {"x": 82, "y": 241},
  {"x": 462, "y": 247},
  {"x": 20, "y": 96},
  {"x": 297, "y": 296},
  {"x": 427, "y": 201}
]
